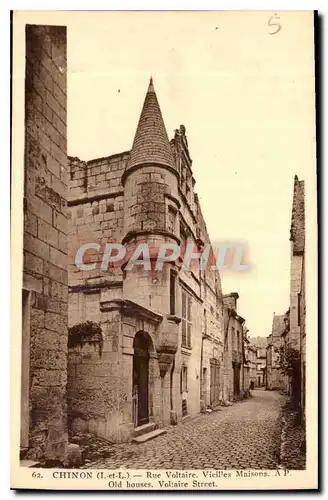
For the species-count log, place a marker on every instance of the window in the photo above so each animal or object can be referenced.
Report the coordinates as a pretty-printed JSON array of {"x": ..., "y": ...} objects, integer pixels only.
[
  {"x": 205, "y": 322},
  {"x": 233, "y": 340},
  {"x": 184, "y": 379},
  {"x": 186, "y": 319},
  {"x": 171, "y": 219},
  {"x": 298, "y": 309},
  {"x": 172, "y": 291}
]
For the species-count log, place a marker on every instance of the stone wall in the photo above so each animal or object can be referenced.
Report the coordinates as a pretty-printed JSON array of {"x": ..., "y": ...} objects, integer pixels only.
[
  {"x": 44, "y": 371},
  {"x": 293, "y": 336},
  {"x": 297, "y": 239},
  {"x": 303, "y": 338},
  {"x": 95, "y": 214}
]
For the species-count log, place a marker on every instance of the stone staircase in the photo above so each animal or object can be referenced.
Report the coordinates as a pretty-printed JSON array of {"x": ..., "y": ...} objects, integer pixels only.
[{"x": 146, "y": 432}]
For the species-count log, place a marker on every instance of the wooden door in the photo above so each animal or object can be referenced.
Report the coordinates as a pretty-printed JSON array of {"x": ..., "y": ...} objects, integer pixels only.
[
  {"x": 140, "y": 384},
  {"x": 236, "y": 377}
]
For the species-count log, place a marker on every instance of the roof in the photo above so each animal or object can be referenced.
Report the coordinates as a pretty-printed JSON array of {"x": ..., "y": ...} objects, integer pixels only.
[
  {"x": 259, "y": 342},
  {"x": 151, "y": 143},
  {"x": 278, "y": 325}
]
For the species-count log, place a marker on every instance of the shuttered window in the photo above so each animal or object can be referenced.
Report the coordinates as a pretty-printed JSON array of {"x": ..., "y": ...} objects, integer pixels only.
[{"x": 186, "y": 319}]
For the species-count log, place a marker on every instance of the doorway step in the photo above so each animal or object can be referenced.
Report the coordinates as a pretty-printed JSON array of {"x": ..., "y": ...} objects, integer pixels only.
[{"x": 146, "y": 432}]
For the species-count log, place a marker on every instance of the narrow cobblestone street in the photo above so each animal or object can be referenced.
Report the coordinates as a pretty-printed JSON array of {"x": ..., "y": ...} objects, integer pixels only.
[{"x": 244, "y": 435}]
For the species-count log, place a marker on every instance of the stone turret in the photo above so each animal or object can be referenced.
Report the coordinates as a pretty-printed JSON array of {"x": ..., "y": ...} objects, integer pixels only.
[
  {"x": 151, "y": 217},
  {"x": 150, "y": 185}
]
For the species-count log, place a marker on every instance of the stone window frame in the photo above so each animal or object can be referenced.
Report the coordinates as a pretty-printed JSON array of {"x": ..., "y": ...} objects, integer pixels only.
[{"x": 171, "y": 209}]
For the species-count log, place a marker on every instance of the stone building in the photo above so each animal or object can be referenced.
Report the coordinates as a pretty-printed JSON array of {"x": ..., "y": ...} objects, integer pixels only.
[
  {"x": 44, "y": 295},
  {"x": 294, "y": 334},
  {"x": 246, "y": 364},
  {"x": 285, "y": 378},
  {"x": 249, "y": 364},
  {"x": 260, "y": 344},
  {"x": 297, "y": 265},
  {"x": 154, "y": 350},
  {"x": 233, "y": 348},
  {"x": 252, "y": 353},
  {"x": 274, "y": 379}
]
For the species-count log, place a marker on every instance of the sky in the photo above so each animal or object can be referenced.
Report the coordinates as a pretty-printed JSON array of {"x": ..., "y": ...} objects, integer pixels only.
[{"x": 246, "y": 98}]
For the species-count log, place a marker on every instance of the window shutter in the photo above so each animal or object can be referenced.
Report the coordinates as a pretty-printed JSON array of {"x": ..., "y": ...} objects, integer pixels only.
[
  {"x": 189, "y": 334},
  {"x": 189, "y": 309},
  {"x": 184, "y": 297},
  {"x": 183, "y": 331}
]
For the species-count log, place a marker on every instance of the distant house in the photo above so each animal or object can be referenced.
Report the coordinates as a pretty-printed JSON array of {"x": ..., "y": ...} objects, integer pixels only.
[
  {"x": 249, "y": 364},
  {"x": 260, "y": 344},
  {"x": 233, "y": 348},
  {"x": 274, "y": 342}
]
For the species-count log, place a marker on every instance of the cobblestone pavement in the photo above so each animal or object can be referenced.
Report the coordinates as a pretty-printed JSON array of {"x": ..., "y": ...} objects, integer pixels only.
[
  {"x": 244, "y": 435},
  {"x": 292, "y": 450}
]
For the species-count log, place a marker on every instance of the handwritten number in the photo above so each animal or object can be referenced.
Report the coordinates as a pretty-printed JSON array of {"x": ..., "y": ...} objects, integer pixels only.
[{"x": 272, "y": 24}]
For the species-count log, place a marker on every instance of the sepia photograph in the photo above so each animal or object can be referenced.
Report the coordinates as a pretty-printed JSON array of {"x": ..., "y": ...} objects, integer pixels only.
[{"x": 165, "y": 242}]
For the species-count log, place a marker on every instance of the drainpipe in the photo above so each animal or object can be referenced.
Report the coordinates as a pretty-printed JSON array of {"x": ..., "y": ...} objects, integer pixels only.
[
  {"x": 201, "y": 372},
  {"x": 162, "y": 391},
  {"x": 171, "y": 384},
  {"x": 243, "y": 362},
  {"x": 225, "y": 354}
]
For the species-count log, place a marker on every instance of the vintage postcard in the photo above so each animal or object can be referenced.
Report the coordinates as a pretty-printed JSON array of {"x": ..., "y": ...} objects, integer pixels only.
[{"x": 164, "y": 251}]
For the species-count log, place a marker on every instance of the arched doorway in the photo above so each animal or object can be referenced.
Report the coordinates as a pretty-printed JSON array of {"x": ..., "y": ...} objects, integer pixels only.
[{"x": 140, "y": 379}]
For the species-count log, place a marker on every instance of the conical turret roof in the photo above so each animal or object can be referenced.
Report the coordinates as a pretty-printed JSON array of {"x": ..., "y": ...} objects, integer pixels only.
[{"x": 151, "y": 143}]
